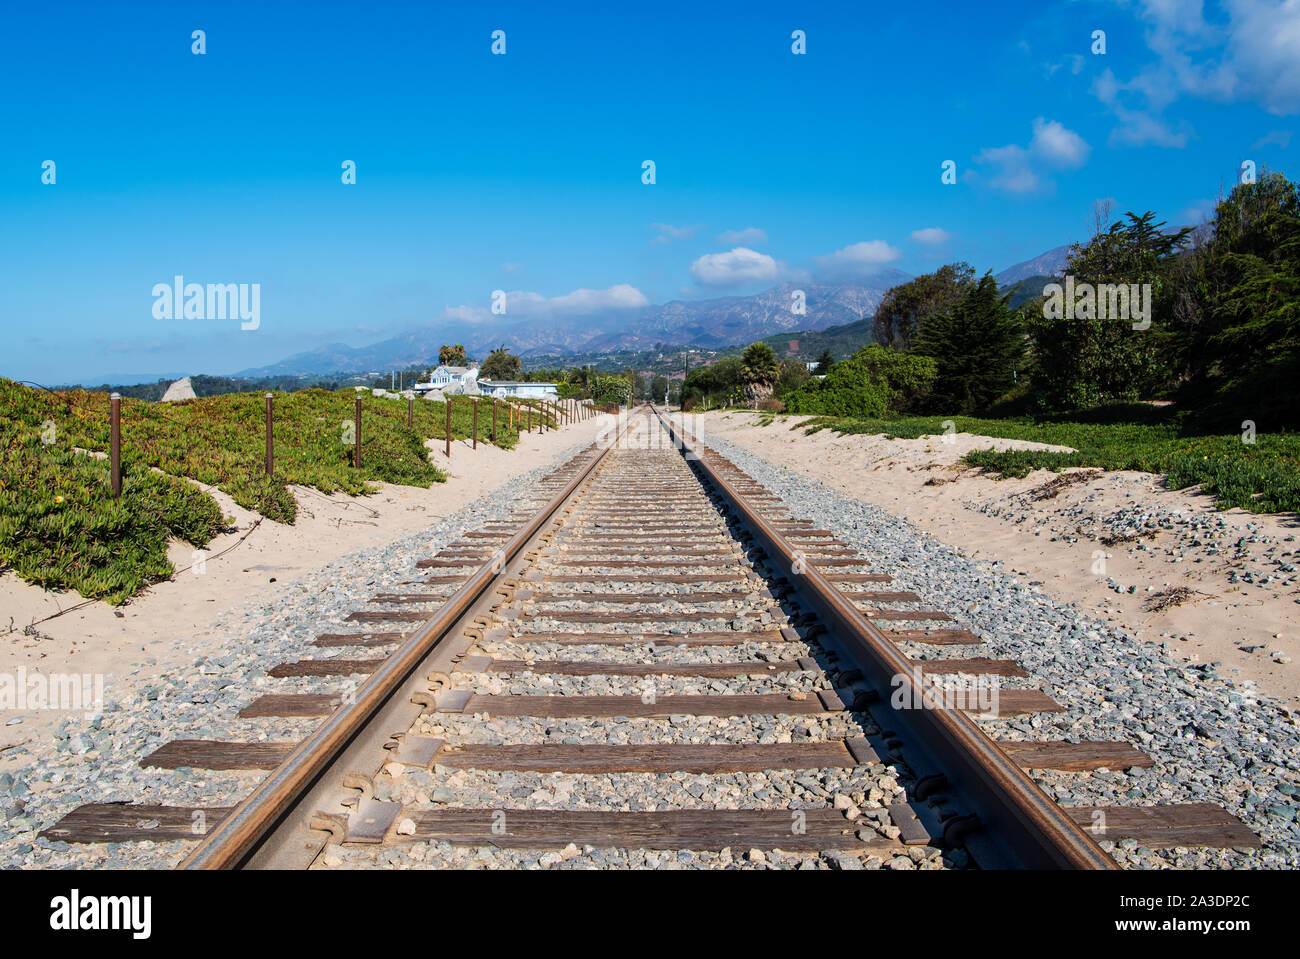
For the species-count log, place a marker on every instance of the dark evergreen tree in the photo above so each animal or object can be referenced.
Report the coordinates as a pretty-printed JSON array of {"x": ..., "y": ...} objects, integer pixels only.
[{"x": 976, "y": 345}]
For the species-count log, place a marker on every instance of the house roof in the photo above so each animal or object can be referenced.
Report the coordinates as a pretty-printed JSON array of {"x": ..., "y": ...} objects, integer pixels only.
[{"x": 458, "y": 370}]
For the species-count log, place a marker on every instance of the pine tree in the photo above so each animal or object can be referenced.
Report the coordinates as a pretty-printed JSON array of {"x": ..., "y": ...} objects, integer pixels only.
[{"x": 976, "y": 346}]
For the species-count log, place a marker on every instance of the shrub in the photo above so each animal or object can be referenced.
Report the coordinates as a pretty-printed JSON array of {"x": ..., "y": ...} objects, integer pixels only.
[{"x": 871, "y": 383}]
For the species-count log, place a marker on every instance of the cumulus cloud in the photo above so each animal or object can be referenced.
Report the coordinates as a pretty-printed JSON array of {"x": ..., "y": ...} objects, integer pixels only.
[
  {"x": 858, "y": 259},
  {"x": 739, "y": 267},
  {"x": 620, "y": 297},
  {"x": 1023, "y": 169},
  {"x": 931, "y": 236},
  {"x": 529, "y": 305},
  {"x": 750, "y": 236},
  {"x": 1054, "y": 143}
]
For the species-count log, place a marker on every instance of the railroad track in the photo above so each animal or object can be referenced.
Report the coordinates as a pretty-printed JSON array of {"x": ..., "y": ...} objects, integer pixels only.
[{"x": 651, "y": 654}]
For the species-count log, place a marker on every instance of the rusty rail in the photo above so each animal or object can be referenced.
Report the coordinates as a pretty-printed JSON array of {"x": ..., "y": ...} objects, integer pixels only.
[
  {"x": 1025, "y": 828},
  {"x": 237, "y": 837}
]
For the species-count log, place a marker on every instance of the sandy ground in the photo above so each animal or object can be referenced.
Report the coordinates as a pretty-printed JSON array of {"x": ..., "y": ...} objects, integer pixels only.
[
  {"x": 1253, "y": 629},
  {"x": 131, "y": 644}
]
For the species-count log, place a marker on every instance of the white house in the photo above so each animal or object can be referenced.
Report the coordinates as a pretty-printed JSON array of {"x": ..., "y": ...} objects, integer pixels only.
[
  {"x": 451, "y": 379},
  {"x": 516, "y": 388}
]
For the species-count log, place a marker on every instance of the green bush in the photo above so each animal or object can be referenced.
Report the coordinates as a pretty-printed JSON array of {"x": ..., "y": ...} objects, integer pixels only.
[
  {"x": 873, "y": 382},
  {"x": 60, "y": 526},
  {"x": 712, "y": 385}
]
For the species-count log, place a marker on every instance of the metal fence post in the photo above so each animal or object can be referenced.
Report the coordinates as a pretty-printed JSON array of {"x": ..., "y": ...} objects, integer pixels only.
[
  {"x": 447, "y": 399},
  {"x": 475, "y": 424},
  {"x": 494, "y": 421},
  {"x": 410, "y": 412},
  {"x": 115, "y": 443}
]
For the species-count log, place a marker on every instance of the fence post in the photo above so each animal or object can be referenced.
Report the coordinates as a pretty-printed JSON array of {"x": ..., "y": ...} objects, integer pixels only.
[
  {"x": 410, "y": 412},
  {"x": 494, "y": 421},
  {"x": 476, "y": 423},
  {"x": 115, "y": 443},
  {"x": 447, "y": 399},
  {"x": 270, "y": 448},
  {"x": 356, "y": 437}
]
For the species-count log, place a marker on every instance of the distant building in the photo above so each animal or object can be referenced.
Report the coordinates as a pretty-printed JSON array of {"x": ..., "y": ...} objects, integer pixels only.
[
  {"x": 451, "y": 379},
  {"x": 812, "y": 367},
  {"x": 517, "y": 388}
]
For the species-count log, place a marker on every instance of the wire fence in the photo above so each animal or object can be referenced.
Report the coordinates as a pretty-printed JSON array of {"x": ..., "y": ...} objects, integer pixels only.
[{"x": 523, "y": 415}]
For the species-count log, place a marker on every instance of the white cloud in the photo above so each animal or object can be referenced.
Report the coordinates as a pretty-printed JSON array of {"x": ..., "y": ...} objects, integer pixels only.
[
  {"x": 750, "y": 236},
  {"x": 1054, "y": 143},
  {"x": 668, "y": 232},
  {"x": 1052, "y": 147},
  {"x": 1248, "y": 52},
  {"x": 620, "y": 297},
  {"x": 931, "y": 236},
  {"x": 524, "y": 303},
  {"x": 1136, "y": 127},
  {"x": 739, "y": 267},
  {"x": 858, "y": 259}
]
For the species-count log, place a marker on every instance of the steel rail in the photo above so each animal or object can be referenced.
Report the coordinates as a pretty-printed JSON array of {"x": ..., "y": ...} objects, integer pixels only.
[
  {"x": 233, "y": 841},
  {"x": 1024, "y": 826}
]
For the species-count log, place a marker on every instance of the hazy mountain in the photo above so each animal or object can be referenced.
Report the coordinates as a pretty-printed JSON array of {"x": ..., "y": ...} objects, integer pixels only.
[
  {"x": 710, "y": 323},
  {"x": 1051, "y": 263},
  {"x": 715, "y": 323},
  {"x": 1026, "y": 289}
]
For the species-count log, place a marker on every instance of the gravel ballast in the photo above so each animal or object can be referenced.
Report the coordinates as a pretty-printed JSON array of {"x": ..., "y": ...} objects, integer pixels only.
[{"x": 1212, "y": 740}]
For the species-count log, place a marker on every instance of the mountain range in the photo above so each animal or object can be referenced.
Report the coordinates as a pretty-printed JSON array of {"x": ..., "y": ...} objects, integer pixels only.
[{"x": 711, "y": 324}]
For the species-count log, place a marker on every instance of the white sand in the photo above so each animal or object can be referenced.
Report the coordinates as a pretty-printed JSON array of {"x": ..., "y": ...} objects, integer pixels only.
[{"x": 1214, "y": 626}]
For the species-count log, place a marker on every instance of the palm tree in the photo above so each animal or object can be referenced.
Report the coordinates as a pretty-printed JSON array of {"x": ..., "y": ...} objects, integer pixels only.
[{"x": 758, "y": 372}]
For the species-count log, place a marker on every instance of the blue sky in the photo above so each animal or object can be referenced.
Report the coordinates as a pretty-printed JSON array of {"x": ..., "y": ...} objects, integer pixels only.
[{"x": 523, "y": 172}]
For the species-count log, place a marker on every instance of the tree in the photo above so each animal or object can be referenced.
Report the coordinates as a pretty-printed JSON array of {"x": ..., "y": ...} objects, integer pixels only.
[
  {"x": 758, "y": 372},
  {"x": 451, "y": 355},
  {"x": 824, "y": 363},
  {"x": 659, "y": 388},
  {"x": 905, "y": 307},
  {"x": 500, "y": 364},
  {"x": 1236, "y": 305},
  {"x": 611, "y": 389},
  {"x": 711, "y": 384},
  {"x": 794, "y": 374},
  {"x": 1085, "y": 360},
  {"x": 976, "y": 346}
]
